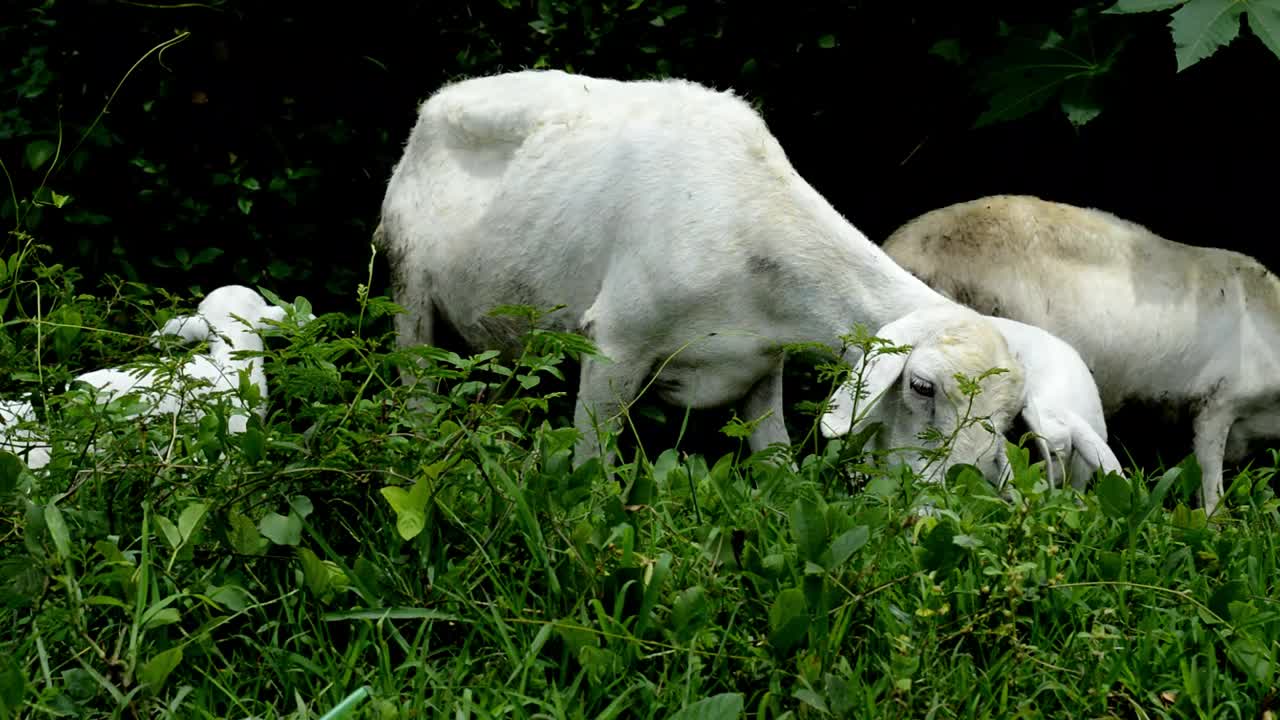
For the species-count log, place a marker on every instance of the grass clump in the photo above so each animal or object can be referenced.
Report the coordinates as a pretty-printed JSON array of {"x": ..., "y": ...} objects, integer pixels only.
[{"x": 432, "y": 550}]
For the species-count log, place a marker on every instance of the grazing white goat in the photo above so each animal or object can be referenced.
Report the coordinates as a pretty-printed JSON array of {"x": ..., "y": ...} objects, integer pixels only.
[
  {"x": 21, "y": 441},
  {"x": 669, "y": 222},
  {"x": 227, "y": 318},
  {"x": 1062, "y": 406},
  {"x": 1193, "y": 328}
]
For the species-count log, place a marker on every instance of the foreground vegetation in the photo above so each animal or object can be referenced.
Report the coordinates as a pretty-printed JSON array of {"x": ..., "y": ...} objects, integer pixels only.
[{"x": 446, "y": 560}]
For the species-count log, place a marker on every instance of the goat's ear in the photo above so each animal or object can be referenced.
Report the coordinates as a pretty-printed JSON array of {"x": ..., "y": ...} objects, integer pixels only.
[
  {"x": 879, "y": 375},
  {"x": 1037, "y": 424},
  {"x": 1092, "y": 448},
  {"x": 190, "y": 328}
]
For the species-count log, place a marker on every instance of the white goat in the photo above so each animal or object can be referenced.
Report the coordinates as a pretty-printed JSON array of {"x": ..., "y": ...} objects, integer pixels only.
[
  {"x": 227, "y": 318},
  {"x": 1194, "y": 328},
  {"x": 1062, "y": 405},
  {"x": 24, "y": 442},
  {"x": 668, "y": 220}
]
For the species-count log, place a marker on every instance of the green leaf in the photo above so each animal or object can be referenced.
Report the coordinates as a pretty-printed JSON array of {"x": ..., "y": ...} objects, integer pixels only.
[
  {"x": 191, "y": 520},
  {"x": 1141, "y": 6},
  {"x": 38, "y": 153},
  {"x": 281, "y": 530},
  {"x": 157, "y": 669},
  {"x": 827, "y": 42},
  {"x": 1264, "y": 21},
  {"x": 170, "y": 531},
  {"x": 232, "y": 597},
  {"x": 1079, "y": 103},
  {"x": 1228, "y": 592},
  {"x": 940, "y": 550},
  {"x": 58, "y": 530},
  {"x": 812, "y": 699},
  {"x": 79, "y": 683},
  {"x": 950, "y": 50},
  {"x": 849, "y": 542},
  {"x": 1202, "y": 26},
  {"x": 161, "y": 617},
  {"x": 11, "y": 466},
  {"x": 13, "y": 685},
  {"x": 808, "y": 528},
  {"x": 314, "y": 573},
  {"x": 243, "y": 534},
  {"x": 788, "y": 619},
  {"x": 1115, "y": 496},
  {"x": 1253, "y": 658},
  {"x": 689, "y": 611},
  {"x": 245, "y": 204},
  {"x": 725, "y": 706},
  {"x": 252, "y": 444}
]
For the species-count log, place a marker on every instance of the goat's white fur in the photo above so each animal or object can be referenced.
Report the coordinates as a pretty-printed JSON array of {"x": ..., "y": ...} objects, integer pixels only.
[
  {"x": 1196, "y": 328},
  {"x": 25, "y": 442},
  {"x": 1062, "y": 405},
  {"x": 668, "y": 220},
  {"x": 227, "y": 318}
]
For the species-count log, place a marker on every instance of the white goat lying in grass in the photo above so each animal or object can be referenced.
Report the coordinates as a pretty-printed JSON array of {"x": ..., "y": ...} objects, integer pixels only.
[
  {"x": 228, "y": 319},
  {"x": 668, "y": 220},
  {"x": 1194, "y": 328},
  {"x": 25, "y": 442}
]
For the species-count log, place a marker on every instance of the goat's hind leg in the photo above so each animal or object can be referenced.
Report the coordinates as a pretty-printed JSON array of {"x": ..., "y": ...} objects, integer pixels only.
[{"x": 606, "y": 387}]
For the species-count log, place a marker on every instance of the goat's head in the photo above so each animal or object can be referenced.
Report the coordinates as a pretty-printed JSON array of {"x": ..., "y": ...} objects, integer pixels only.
[
  {"x": 912, "y": 391},
  {"x": 226, "y": 310}
]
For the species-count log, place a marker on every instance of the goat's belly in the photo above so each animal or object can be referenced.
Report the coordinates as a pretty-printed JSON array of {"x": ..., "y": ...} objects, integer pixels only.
[{"x": 708, "y": 385}]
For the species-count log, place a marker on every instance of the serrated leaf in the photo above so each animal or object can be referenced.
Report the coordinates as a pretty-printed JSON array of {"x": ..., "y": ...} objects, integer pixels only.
[
  {"x": 1201, "y": 27},
  {"x": 58, "y": 530},
  {"x": 157, "y": 669},
  {"x": 281, "y": 530},
  {"x": 1264, "y": 21},
  {"x": 788, "y": 619},
  {"x": 725, "y": 706},
  {"x": 1079, "y": 103},
  {"x": 38, "y": 153},
  {"x": 1141, "y": 6}
]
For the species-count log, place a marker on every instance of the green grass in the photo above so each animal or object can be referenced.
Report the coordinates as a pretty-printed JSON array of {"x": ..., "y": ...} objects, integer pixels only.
[{"x": 447, "y": 561}]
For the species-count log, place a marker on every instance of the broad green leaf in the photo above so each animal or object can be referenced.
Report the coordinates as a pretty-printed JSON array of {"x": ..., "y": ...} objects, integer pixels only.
[
  {"x": 252, "y": 444},
  {"x": 191, "y": 520},
  {"x": 162, "y": 616},
  {"x": 1254, "y": 658},
  {"x": 232, "y": 597},
  {"x": 827, "y": 42},
  {"x": 808, "y": 529},
  {"x": 725, "y": 706},
  {"x": 314, "y": 573},
  {"x": 11, "y": 466},
  {"x": 170, "y": 531},
  {"x": 38, "y": 153},
  {"x": 1141, "y": 6},
  {"x": 409, "y": 523},
  {"x": 1264, "y": 21},
  {"x": 1114, "y": 496},
  {"x": 302, "y": 505},
  {"x": 58, "y": 530},
  {"x": 950, "y": 50},
  {"x": 1078, "y": 102},
  {"x": 13, "y": 685},
  {"x": 940, "y": 551},
  {"x": 79, "y": 683},
  {"x": 788, "y": 619},
  {"x": 1228, "y": 592},
  {"x": 1202, "y": 26},
  {"x": 689, "y": 611},
  {"x": 849, "y": 542},
  {"x": 244, "y": 535},
  {"x": 396, "y": 497},
  {"x": 281, "y": 530},
  {"x": 157, "y": 669},
  {"x": 812, "y": 699}
]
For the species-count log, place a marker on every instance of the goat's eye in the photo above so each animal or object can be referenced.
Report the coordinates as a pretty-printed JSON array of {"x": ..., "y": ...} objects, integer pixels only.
[{"x": 922, "y": 386}]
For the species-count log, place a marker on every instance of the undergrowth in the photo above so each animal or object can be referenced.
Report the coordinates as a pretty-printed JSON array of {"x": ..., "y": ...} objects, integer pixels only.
[{"x": 429, "y": 550}]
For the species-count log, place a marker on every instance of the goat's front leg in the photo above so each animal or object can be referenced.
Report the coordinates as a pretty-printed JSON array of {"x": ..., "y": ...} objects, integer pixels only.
[
  {"x": 605, "y": 387},
  {"x": 1212, "y": 425},
  {"x": 765, "y": 397}
]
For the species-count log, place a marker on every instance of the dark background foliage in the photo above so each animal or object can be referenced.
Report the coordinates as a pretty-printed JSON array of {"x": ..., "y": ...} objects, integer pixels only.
[{"x": 256, "y": 148}]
